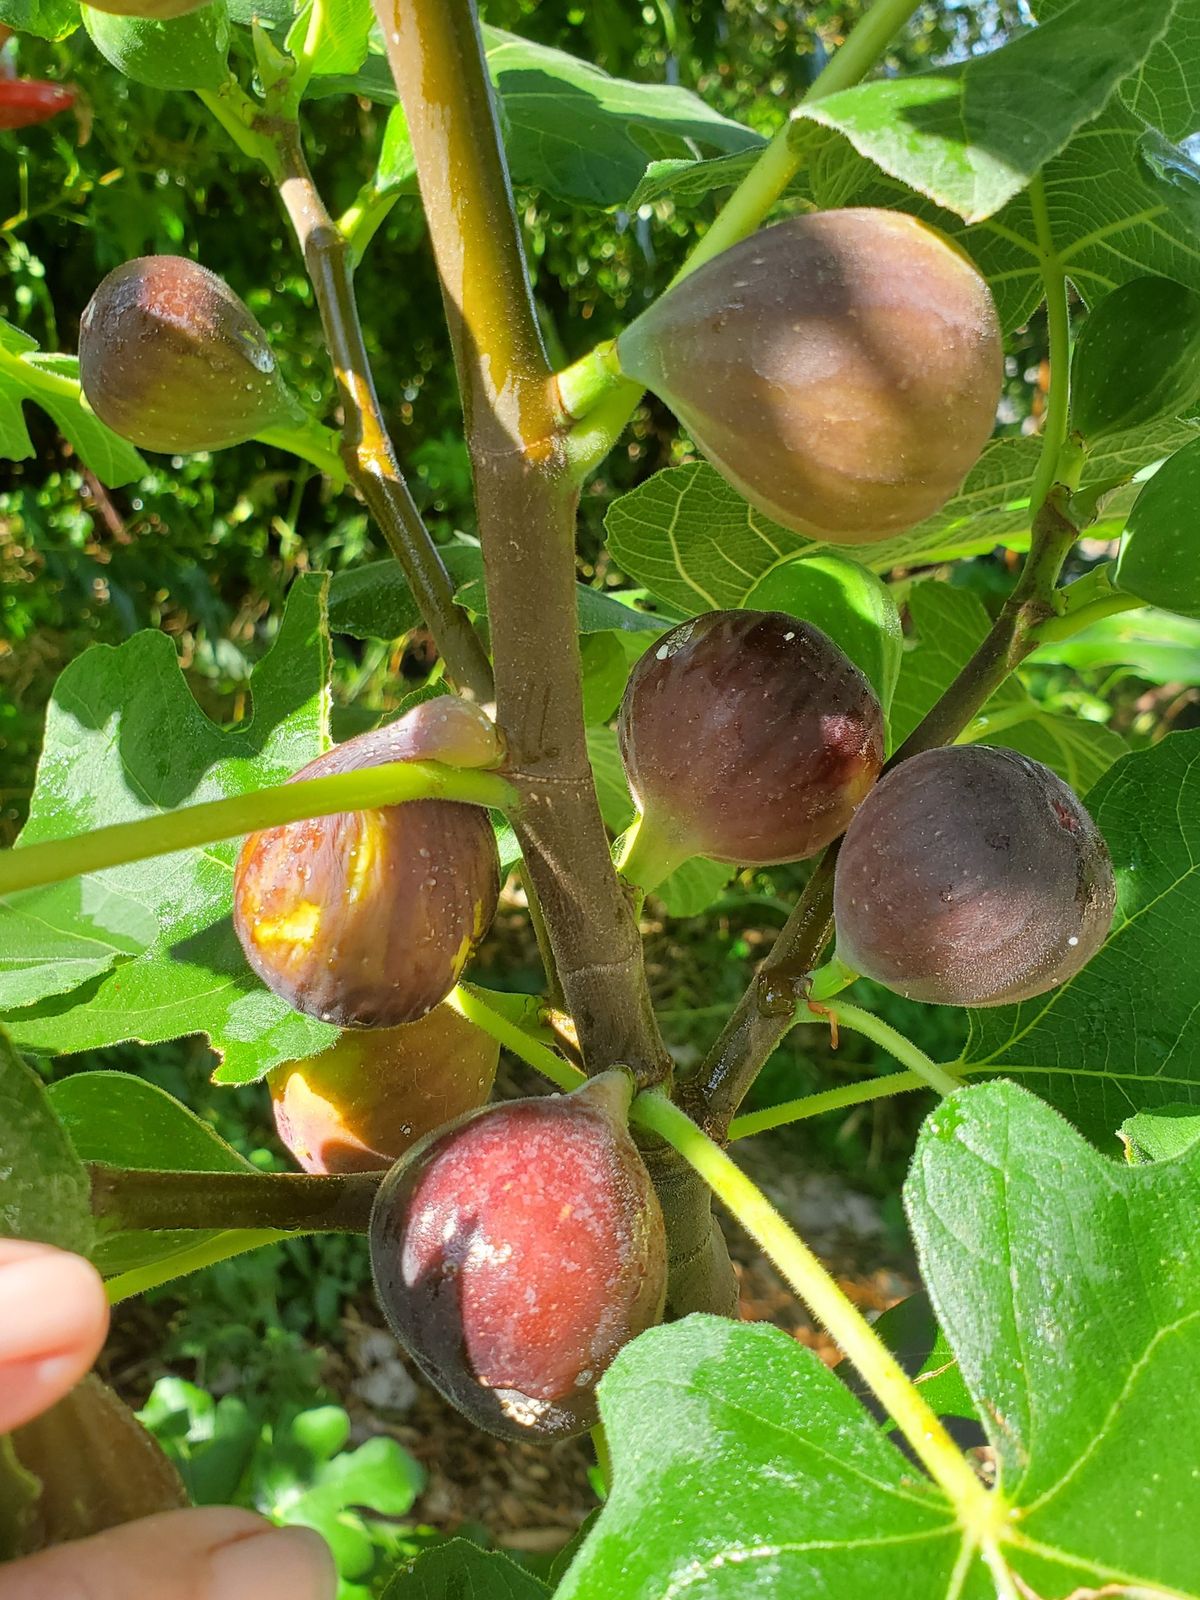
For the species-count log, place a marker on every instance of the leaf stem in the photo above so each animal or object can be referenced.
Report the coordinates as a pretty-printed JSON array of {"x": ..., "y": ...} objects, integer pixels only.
[
  {"x": 1058, "y": 327},
  {"x": 895, "y": 1043},
  {"x": 54, "y": 860},
  {"x": 191, "y": 1258},
  {"x": 816, "y": 1105},
  {"x": 477, "y": 1006},
  {"x": 313, "y": 443},
  {"x": 978, "y": 1507}
]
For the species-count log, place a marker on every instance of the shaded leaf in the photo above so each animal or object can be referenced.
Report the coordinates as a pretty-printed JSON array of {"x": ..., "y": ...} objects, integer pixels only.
[{"x": 45, "y": 1193}]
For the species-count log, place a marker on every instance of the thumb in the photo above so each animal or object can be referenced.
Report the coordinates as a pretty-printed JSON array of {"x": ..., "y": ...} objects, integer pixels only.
[
  {"x": 213, "y": 1554},
  {"x": 53, "y": 1318}
]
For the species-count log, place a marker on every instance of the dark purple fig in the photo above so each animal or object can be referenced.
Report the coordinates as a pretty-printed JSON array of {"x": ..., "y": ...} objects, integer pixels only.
[
  {"x": 972, "y": 877},
  {"x": 516, "y": 1251},
  {"x": 367, "y": 918},
  {"x": 360, "y": 1105},
  {"x": 747, "y": 736},
  {"x": 842, "y": 370},
  {"x": 96, "y": 1467},
  {"x": 171, "y": 359}
]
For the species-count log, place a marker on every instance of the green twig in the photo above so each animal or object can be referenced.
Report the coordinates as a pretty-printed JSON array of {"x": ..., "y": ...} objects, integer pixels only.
[
  {"x": 816, "y": 1105},
  {"x": 136, "y": 1198},
  {"x": 979, "y": 1509},
  {"x": 895, "y": 1043},
  {"x": 54, "y": 860}
]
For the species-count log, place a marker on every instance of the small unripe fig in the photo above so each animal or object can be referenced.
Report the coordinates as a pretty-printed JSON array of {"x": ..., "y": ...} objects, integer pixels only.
[
  {"x": 152, "y": 10},
  {"x": 171, "y": 359},
  {"x": 367, "y": 918},
  {"x": 97, "y": 1467},
  {"x": 842, "y": 370},
  {"x": 972, "y": 877},
  {"x": 747, "y": 736},
  {"x": 516, "y": 1251},
  {"x": 360, "y": 1105}
]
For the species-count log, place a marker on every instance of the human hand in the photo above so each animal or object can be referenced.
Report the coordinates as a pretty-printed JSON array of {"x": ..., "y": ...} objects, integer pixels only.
[{"x": 53, "y": 1319}]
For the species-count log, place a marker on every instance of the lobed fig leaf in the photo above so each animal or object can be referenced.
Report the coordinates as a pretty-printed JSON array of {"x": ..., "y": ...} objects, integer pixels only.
[
  {"x": 366, "y": 919},
  {"x": 1160, "y": 554},
  {"x": 1137, "y": 358},
  {"x": 516, "y": 1251},
  {"x": 842, "y": 370},
  {"x": 171, "y": 359},
  {"x": 972, "y": 876},
  {"x": 748, "y": 737},
  {"x": 360, "y": 1105}
]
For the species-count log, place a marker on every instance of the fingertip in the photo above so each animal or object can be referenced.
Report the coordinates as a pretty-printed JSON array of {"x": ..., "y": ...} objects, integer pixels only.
[
  {"x": 53, "y": 1319},
  {"x": 292, "y": 1563}
]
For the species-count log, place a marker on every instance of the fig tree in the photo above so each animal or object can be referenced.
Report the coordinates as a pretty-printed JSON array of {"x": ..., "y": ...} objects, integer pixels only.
[
  {"x": 171, "y": 359},
  {"x": 842, "y": 370},
  {"x": 367, "y": 918},
  {"x": 516, "y": 1251},
  {"x": 972, "y": 877},
  {"x": 360, "y": 1105},
  {"x": 747, "y": 736}
]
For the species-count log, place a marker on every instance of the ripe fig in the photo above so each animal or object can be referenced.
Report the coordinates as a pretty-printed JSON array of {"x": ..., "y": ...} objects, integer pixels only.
[
  {"x": 842, "y": 370},
  {"x": 972, "y": 877},
  {"x": 171, "y": 359},
  {"x": 359, "y": 1106},
  {"x": 95, "y": 1467},
  {"x": 747, "y": 736},
  {"x": 516, "y": 1251},
  {"x": 367, "y": 918}
]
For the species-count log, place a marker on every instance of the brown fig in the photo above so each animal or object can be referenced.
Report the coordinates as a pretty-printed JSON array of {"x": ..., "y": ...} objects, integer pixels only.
[
  {"x": 747, "y": 736},
  {"x": 972, "y": 877},
  {"x": 842, "y": 370},
  {"x": 516, "y": 1251},
  {"x": 367, "y": 918},
  {"x": 171, "y": 359},
  {"x": 360, "y": 1105}
]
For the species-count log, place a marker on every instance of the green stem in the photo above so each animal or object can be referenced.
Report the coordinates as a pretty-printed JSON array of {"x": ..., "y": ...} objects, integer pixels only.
[
  {"x": 54, "y": 860},
  {"x": 363, "y": 218},
  {"x": 603, "y": 1456},
  {"x": 895, "y": 1043},
  {"x": 235, "y": 111},
  {"x": 978, "y": 1508},
  {"x": 644, "y": 858},
  {"x": 477, "y": 1006},
  {"x": 1066, "y": 627},
  {"x": 816, "y": 1105},
  {"x": 191, "y": 1258},
  {"x": 1058, "y": 325}
]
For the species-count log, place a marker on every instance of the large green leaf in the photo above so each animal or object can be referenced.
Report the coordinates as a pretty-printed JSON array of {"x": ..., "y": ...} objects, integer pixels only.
[
  {"x": 44, "y": 1189},
  {"x": 1124, "y": 1035},
  {"x": 48, "y": 19},
  {"x": 1159, "y": 1135},
  {"x": 947, "y": 625},
  {"x": 972, "y": 136},
  {"x": 125, "y": 739},
  {"x": 1164, "y": 90},
  {"x": 187, "y": 52},
  {"x": 1155, "y": 645},
  {"x": 1160, "y": 558},
  {"x": 122, "y": 1121},
  {"x": 1067, "y": 1288},
  {"x": 692, "y": 541},
  {"x": 571, "y": 129},
  {"x": 1068, "y": 1285},
  {"x": 340, "y": 46}
]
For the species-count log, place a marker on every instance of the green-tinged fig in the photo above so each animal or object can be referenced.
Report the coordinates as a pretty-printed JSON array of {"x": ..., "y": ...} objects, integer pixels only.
[
  {"x": 1137, "y": 358},
  {"x": 93, "y": 1466},
  {"x": 516, "y": 1251},
  {"x": 360, "y": 1105},
  {"x": 747, "y": 736},
  {"x": 842, "y": 370},
  {"x": 171, "y": 359},
  {"x": 367, "y": 918},
  {"x": 972, "y": 877}
]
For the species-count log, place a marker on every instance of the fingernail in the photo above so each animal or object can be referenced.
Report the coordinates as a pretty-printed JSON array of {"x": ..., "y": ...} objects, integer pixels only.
[
  {"x": 281, "y": 1564},
  {"x": 39, "y": 1304}
]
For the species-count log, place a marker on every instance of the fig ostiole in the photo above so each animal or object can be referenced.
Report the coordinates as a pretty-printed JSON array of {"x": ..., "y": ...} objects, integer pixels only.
[
  {"x": 747, "y": 737},
  {"x": 366, "y": 919},
  {"x": 841, "y": 370},
  {"x": 972, "y": 876},
  {"x": 517, "y": 1250},
  {"x": 360, "y": 1105},
  {"x": 171, "y": 359}
]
